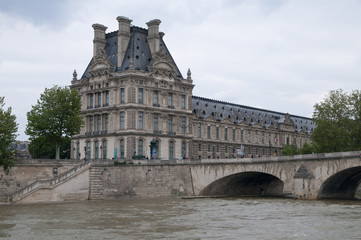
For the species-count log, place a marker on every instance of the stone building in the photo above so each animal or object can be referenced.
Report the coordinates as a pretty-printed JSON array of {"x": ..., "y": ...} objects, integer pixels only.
[{"x": 136, "y": 103}]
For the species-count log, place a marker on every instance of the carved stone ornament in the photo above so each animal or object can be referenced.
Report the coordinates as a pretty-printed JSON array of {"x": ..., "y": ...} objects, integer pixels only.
[
  {"x": 162, "y": 65},
  {"x": 101, "y": 65}
]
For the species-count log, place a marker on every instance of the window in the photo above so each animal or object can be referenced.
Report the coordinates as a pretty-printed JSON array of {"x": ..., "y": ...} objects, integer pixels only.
[
  {"x": 183, "y": 101},
  {"x": 287, "y": 139},
  {"x": 106, "y": 98},
  {"x": 226, "y": 149},
  {"x": 88, "y": 153},
  {"x": 122, "y": 95},
  {"x": 209, "y": 132},
  {"x": 225, "y": 133},
  {"x": 171, "y": 150},
  {"x": 249, "y": 136},
  {"x": 217, "y": 132},
  {"x": 122, "y": 149},
  {"x": 140, "y": 147},
  {"x": 140, "y": 120},
  {"x": 184, "y": 123},
  {"x": 106, "y": 122},
  {"x": 99, "y": 123},
  {"x": 256, "y": 137},
  {"x": 262, "y": 137},
  {"x": 155, "y": 122},
  {"x": 170, "y": 124},
  {"x": 199, "y": 147},
  {"x": 170, "y": 99},
  {"x": 184, "y": 149},
  {"x": 96, "y": 150},
  {"x": 121, "y": 120},
  {"x": 91, "y": 123},
  {"x": 104, "y": 149},
  {"x": 234, "y": 134},
  {"x": 242, "y": 135},
  {"x": 199, "y": 130},
  {"x": 140, "y": 95},
  {"x": 91, "y": 100},
  {"x": 78, "y": 150},
  {"x": 269, "y": 138},
  {"x": 155, "y": 98}
]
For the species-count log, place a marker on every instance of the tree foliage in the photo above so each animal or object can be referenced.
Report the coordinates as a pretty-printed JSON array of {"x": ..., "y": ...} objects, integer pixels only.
[
  {"x": 338, "y": 119},
  {"x": 55, "y": 117},
  {"x": 8, "y": 129},
  {"x": 290, "y": 150},
  {"x": 41, "y": 148}
]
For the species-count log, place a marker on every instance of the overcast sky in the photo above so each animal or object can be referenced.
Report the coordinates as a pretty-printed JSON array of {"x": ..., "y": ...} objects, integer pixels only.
[{"x": 273, "y": 54}]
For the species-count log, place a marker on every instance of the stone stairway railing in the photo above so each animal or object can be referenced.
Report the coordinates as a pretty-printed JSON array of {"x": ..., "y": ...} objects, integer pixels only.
[{"x": 18, "y": 195}]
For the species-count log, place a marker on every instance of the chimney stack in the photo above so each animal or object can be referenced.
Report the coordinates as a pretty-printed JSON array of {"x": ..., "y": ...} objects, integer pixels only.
[
  {"x": 153, "y": 35},
  {"x": 99, "y": 38},
  {"x": 123, "y": 37}
]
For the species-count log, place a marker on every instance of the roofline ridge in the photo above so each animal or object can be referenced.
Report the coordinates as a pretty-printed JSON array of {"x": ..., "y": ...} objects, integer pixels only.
[{"x": 244, "y": 106}]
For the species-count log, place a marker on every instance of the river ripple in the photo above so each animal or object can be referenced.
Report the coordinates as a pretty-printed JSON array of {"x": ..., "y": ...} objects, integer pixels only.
[{"x": 170, "y": 218}]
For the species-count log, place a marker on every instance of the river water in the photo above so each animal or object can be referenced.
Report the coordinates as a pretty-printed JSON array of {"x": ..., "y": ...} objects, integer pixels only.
[{"x": 173, "y": 218}]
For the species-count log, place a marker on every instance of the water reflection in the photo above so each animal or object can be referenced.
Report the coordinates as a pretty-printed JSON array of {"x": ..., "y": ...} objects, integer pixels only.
[{"x": 228, "y": 218}]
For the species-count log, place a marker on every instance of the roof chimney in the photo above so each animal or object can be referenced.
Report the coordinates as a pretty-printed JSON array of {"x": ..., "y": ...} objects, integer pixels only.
[
  {"x": 153, "y": 35},
  {"x": 123, "y": 37},
  {"x": 99, "y": 38}
]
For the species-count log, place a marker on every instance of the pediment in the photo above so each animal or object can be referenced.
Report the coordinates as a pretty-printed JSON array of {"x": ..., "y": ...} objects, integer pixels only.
[
  {"x": 101, "y": 65},
  {"x": 162, "y": 65}
]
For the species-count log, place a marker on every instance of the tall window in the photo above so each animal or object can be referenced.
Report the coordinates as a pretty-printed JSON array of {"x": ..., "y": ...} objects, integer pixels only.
[
  {"x": 256, "y": 137},
  {"x": 140, "y": 147},
  {"x": 91, "y": 100},
  {"x": 140, "y": 120},
  {"x": 217, "y": 132},
  {"x": 96, "y": 150},
  {"x": 199, "y": 130},
  {"x": 99, "y": 123},
  {"x": 184, "y": 149},
  {"x": 122, "y": 95},
  {"x": 121, "y": 120},
  {"x": 104, "y": 149},
  {"x": 171, "y": 150},
  {"x": 262, "y": 137},
  {"x": 122, "y": 147},
  {"x": 184, "y": 123},
  {"x": 91, "y": 123},
  {"x": 140, "y": 95},
  {"x": 249, "y": 136},
  {"x": 183, "y": 101},
  {"x": 107, "y": 98},
  {"x": 155, "y": 98},
  {"x": 234, "y": 134},
  {"x": 208, "y": 132},
  {"x": 170, "y": 123},
  {"x": 170, "y": 99},
  {"x": 288, "y": 139},
  {"x": 88, "y": 152},
  {"x": 78, "y": 150},
  {"x": 106, "y": 122},
  {"x": 242, "y": 135},
  {"x": 225, "y": 133},
  {"x": 155, "y": 122}
]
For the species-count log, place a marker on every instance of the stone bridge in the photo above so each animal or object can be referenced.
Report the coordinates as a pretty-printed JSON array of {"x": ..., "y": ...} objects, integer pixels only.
[{"x": 314, "y": 176}]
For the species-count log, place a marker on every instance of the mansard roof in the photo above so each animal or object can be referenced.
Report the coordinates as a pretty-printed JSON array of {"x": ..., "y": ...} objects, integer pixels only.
[
  {"x": 248, "y": 115},
  {"x": 137, "y": 51}
]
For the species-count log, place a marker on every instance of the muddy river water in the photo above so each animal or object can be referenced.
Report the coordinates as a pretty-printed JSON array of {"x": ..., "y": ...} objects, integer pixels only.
[{"x": 174, "y": 218}]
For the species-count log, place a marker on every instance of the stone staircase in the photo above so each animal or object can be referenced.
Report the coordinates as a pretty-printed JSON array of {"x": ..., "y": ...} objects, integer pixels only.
[
  {"x": 33, "y": 187},
  {"x": 96, "y": 185}
]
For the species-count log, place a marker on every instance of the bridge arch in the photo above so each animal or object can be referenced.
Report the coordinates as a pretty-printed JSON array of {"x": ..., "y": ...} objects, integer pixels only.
[
  {"x": 342, "y": 185},
  {"x": 245, "y": 184}
]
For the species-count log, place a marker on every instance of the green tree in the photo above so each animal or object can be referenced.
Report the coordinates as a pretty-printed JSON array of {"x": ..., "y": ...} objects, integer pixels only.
[
  {"x": 41, "y": 148},
  {"x": 338, "y": 122},
  {"x": 55, "y": 117},
  {"x": 306, "y": 149},
  {"x": 290, "y": 150},
  {"x": 8, "y": 129}
]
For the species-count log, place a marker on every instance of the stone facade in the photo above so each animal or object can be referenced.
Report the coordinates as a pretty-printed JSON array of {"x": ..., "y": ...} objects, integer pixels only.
[{"x": 133, "y": 94}]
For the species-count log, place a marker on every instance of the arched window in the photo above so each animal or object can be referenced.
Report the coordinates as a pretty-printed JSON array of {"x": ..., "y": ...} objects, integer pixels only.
[
  {"x": 121, "y": 156},
  {"x": 140, "y": 147},
  {"x": 171, "y": 150},
  {"x": 88, "y": 150},
  {"x": 184, "y": 149},
  {"x": 104, "y": 149},
  {"x": 78, "y": 150},
  {"x": 96, "y": 150}
]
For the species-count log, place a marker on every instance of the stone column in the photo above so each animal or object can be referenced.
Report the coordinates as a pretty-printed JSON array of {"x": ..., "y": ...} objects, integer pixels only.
[{"x": 99, "y": 38}]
